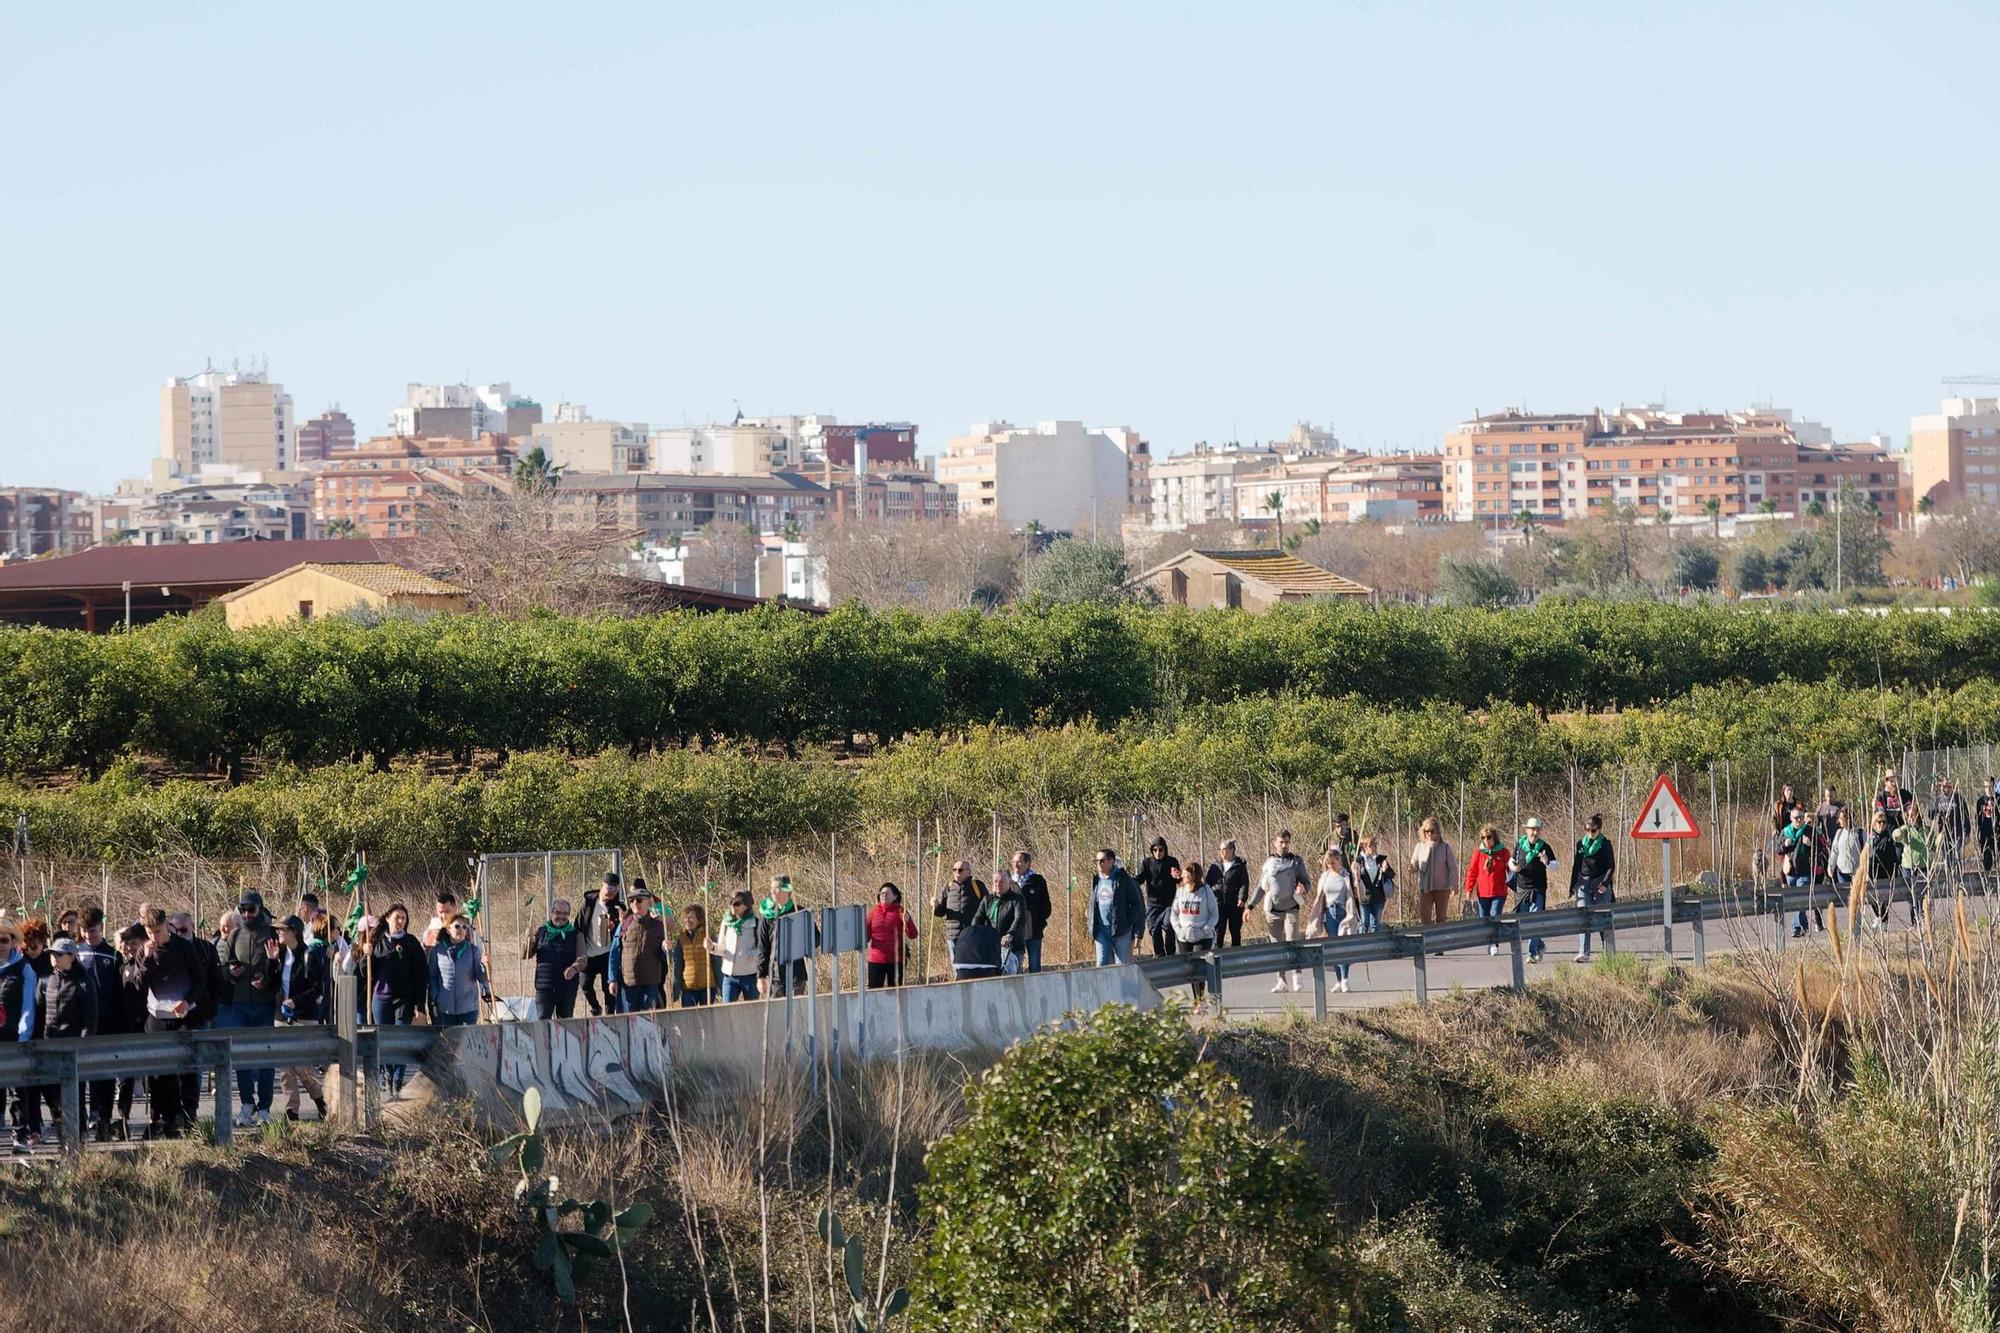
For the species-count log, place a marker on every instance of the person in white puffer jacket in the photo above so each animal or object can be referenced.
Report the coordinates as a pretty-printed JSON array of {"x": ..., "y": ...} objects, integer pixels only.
[{"x": 1194, "y": 915}]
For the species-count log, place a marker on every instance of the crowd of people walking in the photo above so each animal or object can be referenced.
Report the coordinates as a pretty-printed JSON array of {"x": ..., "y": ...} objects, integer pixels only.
[{"x": 623, "y": 951}]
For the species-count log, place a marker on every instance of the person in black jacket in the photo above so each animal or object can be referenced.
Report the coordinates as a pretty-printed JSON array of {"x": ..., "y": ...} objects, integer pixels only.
[
  {"x": 1035, "y": 893},
  {"x": 556, "y": 946},
  {"x": 68, "y": 1004},
  {"x": 100, "y": 958},
  {"x": 402, "y": 981},
  {"x": 17, "y": 999},
  {"x": 1590, "y": 875},
  {"x": 1884, "y": 858},
  {"x": 301, "y": 987},
  {"x": 1230, "y": 878},
  {"x": 958, "y": 900},
  {"x": 1986, "y": 820},
  {"x": 126, "y": 1013},
  {"x": 597, "y": 925},
  {"x": 176, "y": 973},
  {"x": 1159, "y": 880}
]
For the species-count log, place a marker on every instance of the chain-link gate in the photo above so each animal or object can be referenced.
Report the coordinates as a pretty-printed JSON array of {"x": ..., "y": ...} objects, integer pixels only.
[{"x": 513, "y": 891}]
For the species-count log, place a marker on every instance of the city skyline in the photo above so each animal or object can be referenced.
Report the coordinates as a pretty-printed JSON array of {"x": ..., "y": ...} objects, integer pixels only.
[{"x": 1224, "y": 223}]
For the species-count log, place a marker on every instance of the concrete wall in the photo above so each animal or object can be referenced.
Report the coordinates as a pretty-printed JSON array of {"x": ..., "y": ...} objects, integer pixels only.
[{"x": 589, "y": 1068}]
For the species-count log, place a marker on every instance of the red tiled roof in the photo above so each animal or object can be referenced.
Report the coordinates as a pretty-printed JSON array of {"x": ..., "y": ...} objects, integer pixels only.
[{"x": 193, "y": 564}]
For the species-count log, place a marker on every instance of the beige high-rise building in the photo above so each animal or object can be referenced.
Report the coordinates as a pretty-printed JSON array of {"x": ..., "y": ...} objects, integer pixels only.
[
  {"x": 237, "y": 418},
  {"x": 1058, "y": 474},
  {"x": 1956, "y": 453}
]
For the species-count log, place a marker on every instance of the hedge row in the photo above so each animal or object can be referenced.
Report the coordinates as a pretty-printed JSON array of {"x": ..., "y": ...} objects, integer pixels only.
[
  {"x": 692, "y": 800},
  {"x": 195, "y": 694}
]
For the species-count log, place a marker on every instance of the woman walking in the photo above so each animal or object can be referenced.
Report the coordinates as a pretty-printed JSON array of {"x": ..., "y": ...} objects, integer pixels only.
[
  {"x": 402, "y": 980},
  {"x": 1590, "y": 875},
  {"x": 1335, "y": 892},
  {"x": 690, "y": 966},
  {"x": 1884, "y": 856},
  {"x": 1486, "y": 877},
  {"x": 457, "y": 976},
  {"x": 1159, "y": 876},
  {"x": 889, "y": 929},
  {"x": 1195, "y": 917},
  {"x": 1374, "y": 880},
  {"x": 1434, "y": 867}
]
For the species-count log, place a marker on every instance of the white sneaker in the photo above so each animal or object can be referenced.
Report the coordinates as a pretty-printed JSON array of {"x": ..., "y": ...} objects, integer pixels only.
[
  {"x": 262, "y": 1117},
  {"x": 1343, "y": 985},
  {"x": 1295, "y": 983},
  {"x": 245, "y": 1117},
  {"x": 1492, "y": 949},
  {"x": 1278, "y": 985},
  {"x": 1583, "y": 955}
]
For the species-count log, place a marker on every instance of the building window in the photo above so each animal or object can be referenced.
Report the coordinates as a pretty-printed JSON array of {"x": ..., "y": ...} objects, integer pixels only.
[{"x": 305, "y": 610}]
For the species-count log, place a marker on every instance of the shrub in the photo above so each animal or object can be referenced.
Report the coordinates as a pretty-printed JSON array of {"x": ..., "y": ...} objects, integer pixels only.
[{"x": 1104, "y": 1178}]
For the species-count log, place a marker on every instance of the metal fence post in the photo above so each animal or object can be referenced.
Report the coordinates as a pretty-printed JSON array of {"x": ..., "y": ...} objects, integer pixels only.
[
  {"x": 62, "y": 1066},
  {"x": 1421, "y": 963},
  {"x": 1700, "y": 931},
  {"x": 223, "y": 1063},
  {"x": 1514, "y": 951},
  {"x": 368, "y": 1054},
  {"x": 346, "y": 998},
  {"x": 1319, "y": 984}
]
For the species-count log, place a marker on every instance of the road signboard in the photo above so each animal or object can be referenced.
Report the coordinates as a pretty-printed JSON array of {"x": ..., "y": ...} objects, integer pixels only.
[{"x": 1665, "y": 815}]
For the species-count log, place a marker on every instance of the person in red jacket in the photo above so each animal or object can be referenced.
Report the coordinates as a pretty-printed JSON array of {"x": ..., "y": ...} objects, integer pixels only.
[
  {"x": 888, "y": 927},
  {"x": 1486, "y": 876}
]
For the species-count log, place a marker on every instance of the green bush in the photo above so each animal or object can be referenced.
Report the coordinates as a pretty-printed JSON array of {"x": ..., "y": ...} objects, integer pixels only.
[
  {"x": 1104, "y": 1178},
  {"x": 199, "y": 696}
]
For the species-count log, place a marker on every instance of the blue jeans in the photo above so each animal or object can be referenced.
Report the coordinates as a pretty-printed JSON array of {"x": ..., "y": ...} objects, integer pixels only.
[
  {"x": 389, "y": 1012},
  {"x": 693, "y": 999},
  {"x": 1035, "y": 954},
  {"x": 253, "y": 1086},
  {"x": 1113, "y": 951},
  {"x": 1799, "y": 917},
  {"x": 1489, "y": 909},
  {"x": 739, "y": 988},
  {"x": 1334, "y": 916},
  {"x": 1012, "y": 961},
  {"x": 1591, "y": 891},
  {"x": 1527, "y": 904},
  {"x": 465, "y": 1019},
  {"x": 1371, "y": 918},
  {"x": 637, "y": 999}
]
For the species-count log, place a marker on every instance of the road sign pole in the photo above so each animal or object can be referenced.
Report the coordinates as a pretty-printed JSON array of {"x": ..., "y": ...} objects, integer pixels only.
[{"x": 1667, "y": 898}]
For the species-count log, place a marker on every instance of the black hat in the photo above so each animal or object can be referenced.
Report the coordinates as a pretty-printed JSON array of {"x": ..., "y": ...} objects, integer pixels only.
[
  {"x": 250, "y": 900},
  {"x": 293, "y": 924},
  {"x": 611, "y": 878}
]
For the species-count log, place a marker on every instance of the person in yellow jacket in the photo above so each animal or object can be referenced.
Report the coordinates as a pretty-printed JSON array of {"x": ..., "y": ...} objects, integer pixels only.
[{"x": 690, "y": 969}]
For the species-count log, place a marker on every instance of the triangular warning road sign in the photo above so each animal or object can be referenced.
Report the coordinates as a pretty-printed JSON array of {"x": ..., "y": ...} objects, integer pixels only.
[{"x": 1665, "y": 814}]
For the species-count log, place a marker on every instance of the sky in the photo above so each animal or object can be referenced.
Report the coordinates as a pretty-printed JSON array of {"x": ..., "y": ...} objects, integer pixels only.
[{"x": 1202, "y": 221}]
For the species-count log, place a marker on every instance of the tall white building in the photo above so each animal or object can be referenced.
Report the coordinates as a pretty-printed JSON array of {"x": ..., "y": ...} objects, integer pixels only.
[
  {"x": 1058, "y": 474},
  {"x": 464, "y": 412},
  {"x": 233, "y": 417}
]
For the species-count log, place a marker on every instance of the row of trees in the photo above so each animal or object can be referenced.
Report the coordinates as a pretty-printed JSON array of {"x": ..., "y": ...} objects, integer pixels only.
[
  {"x": 200, "y": 696},
  {"x": 688, "y": 801}
]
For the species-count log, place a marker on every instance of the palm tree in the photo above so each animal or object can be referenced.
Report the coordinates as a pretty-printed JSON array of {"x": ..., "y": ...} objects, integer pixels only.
[
  {"x": 790, "y": 532},
  {"x": 1274, "y": 505},
  {"x": 1925, "y": 504},
  {"x": 1310, "y": 528},
  {"x": 1767, "y": 506},
  {"x": 534, "y": 472},
  {"x": 1712, "y": 506},
  {"x": 1816, "y": 510},
  {"x": 341, "y": 527},
  {"x": 1527, "y": 525}
]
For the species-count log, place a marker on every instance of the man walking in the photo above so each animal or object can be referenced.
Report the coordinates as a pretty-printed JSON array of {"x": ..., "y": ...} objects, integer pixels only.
[
  {"x": 1279, "y": 886},
  {"x": 596, "y": 925},
  {"x": 957, "y": 901},
  {"x": 249, "y": 956},
  {"x": 1035, "y": 893},
  {"x": 1229, "y": 877},
  {"x": 1117, "y": 910},
  {"x": 176, "y": 978},
  {"x": 639, "y": 957}
]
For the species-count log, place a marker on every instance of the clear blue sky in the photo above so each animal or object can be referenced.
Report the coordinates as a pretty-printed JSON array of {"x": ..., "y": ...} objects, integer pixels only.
[{"x": 1198, "y": 220}]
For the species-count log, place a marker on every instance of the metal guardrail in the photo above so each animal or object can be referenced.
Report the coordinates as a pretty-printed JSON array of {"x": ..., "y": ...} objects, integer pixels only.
[
  {"x": 360, "y": 1052},
  {"x": 1513, "y": 931}
]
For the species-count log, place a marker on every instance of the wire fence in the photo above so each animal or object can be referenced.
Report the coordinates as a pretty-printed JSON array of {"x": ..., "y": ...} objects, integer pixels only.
[{"x": 1734, "y": 804}]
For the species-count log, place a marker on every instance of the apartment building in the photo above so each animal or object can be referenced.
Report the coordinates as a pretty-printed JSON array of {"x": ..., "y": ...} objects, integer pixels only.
[
  {"x": 1202, "y": 486},
  {"x": 658, "y": 507},
  {"x": 888, "y": 494},
  {"x": 44, "y": 521},
  {"x": 1057, "y": 474},
  {"x": 238, "y": 418},
  {"x": 738, "y": 448},
  {"x": 1559, "y": 466},
  {"x": 382, "y": 485},
  {"x": 329, "y": 433},
  {"x": 1347, "y": 488},
  {"x": 575, "y": 441},
  {"x": 1955, "y": 453},
  {"x": 279, "y": 509},
  {"x": 465, "y": 412}
]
